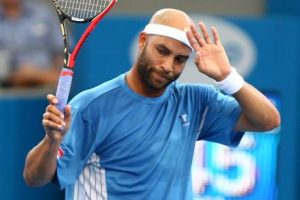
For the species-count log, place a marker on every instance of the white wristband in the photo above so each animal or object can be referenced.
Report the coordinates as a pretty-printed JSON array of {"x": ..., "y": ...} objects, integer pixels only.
[{"x": 232, "y": 83}]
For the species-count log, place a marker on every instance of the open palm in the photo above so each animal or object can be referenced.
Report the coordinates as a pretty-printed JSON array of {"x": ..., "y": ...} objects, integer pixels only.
[{"x": 211, "y": 58}]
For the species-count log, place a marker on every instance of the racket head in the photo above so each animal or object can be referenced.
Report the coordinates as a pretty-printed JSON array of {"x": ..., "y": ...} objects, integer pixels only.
[{"x": 81, "y": 10}]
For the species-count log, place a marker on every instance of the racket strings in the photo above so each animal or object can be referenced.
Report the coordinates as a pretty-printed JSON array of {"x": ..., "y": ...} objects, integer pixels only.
[{"x": 83, "y": 9}]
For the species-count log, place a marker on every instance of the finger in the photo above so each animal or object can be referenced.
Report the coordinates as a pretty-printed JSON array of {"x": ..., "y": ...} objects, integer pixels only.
[
  {"x": 199, "y": 62},
  {"x": 215, "y": 35},
  {"x": 196, "y": 46},
  {"x": 197, "y": 36},
  {"x": 68, "y": 114},
  {"x": 204, "y": 32},
  {"x": 53, "y": 109},
  {"x": 51, "y": 117},
  {"x": 52, "y": 125},
  {"x": 52, "y": 99}
]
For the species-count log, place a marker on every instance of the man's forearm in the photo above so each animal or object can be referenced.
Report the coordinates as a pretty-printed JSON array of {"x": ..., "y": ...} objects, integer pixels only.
[
  {"x": 41, "y": 163},
  {"x": 258, "y": 113}
]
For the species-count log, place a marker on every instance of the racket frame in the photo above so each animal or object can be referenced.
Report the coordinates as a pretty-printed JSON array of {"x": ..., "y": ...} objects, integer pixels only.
[
  {"x": 70, "y": 57},
  {"x": 66, "y": 75}
]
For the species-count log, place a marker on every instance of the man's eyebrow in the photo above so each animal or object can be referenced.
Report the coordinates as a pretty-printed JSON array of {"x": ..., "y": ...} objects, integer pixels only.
[
  {"x": 164, "y": 47},
  {"x": 170, "y": 51},
  {"x": 182, "y": 57}
]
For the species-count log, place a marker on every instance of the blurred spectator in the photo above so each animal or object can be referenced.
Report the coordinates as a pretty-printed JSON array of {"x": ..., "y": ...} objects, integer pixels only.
[{"x": 31, "y": 47}]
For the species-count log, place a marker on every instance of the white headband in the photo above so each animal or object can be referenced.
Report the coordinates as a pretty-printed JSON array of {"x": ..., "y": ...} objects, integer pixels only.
[{"x": 163, "y": 30}]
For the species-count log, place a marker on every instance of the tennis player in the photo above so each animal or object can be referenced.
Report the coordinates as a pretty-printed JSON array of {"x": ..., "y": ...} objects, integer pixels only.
[{"x": 133, "y": 137}]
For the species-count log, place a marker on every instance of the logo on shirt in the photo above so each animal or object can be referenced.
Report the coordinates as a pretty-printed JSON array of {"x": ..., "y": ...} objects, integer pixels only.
[{"x": 184, "y": 120}]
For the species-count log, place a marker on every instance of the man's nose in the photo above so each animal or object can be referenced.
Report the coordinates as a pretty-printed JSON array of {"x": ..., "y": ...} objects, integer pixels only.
[{"x": 167, "y": 65}]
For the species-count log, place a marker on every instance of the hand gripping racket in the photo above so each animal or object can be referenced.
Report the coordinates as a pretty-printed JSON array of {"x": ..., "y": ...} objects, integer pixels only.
[{"x": 79, "y": 11}]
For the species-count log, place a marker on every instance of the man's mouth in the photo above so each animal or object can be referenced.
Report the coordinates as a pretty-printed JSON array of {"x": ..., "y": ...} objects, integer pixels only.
[
  {"x": 159, "y": 77},
  {"x": 162, "y": 75}
]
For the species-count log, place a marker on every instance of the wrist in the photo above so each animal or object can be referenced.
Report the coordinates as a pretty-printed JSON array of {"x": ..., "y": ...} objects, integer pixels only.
[
  {"x": 52, "y": 141},
  {"x": 232, "y": 83}
]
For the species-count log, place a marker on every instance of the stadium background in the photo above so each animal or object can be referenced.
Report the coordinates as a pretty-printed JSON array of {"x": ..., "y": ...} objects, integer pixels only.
[{"x": 271, "y": 28}]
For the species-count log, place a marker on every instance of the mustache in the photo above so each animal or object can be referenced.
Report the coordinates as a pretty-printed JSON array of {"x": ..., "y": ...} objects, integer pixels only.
[{"x": 167, "y": 75}]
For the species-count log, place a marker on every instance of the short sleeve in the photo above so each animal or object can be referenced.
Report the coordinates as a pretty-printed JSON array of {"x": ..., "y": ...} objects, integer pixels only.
[
  {"x": 77, "y": 146},
  {"x": 219, "y": 119}
]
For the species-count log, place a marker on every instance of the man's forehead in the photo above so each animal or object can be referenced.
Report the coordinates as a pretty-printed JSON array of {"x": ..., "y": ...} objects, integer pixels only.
[{"x": 171, "y": 44}]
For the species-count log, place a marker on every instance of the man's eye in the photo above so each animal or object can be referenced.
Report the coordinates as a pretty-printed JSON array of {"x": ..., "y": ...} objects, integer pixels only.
[
  {"x": 162, "y": 52},
  {"x": 181, "y": 60}
]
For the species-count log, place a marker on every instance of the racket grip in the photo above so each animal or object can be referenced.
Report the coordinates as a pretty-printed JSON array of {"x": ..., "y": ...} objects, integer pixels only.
[{"x": 63, "y": 88}]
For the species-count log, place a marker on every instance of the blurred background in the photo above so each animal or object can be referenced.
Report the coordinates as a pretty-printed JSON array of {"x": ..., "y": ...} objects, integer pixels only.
[{"x": 261, "y": 38}]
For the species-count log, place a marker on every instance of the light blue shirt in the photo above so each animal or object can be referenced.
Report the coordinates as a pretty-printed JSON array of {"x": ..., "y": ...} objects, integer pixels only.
[{"x": 122, "y": 145}]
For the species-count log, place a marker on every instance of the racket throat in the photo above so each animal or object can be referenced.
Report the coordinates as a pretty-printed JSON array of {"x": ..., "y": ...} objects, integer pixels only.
[{"x": 69, "y": 61}]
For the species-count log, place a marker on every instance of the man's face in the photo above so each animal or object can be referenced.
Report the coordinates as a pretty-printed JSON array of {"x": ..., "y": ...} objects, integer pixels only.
[{"x": 161, "y": 62}]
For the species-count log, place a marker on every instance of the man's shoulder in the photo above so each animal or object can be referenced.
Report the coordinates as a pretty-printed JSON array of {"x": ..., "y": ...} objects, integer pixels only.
[
  {"x": 85, "y": 98},
  {"x": 196, "y": 92},
  {"x": 195, "y": 87}
]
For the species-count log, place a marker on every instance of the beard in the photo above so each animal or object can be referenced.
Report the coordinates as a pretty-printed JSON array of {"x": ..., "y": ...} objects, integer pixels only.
[{"x": 153, "y": 78}]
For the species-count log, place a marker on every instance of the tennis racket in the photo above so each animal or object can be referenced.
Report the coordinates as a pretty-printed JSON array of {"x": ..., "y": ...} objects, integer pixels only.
[{"x": 78, "y": 11}]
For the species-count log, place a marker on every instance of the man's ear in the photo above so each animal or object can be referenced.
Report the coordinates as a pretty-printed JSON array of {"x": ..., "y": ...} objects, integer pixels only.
[{"x": 142, "y": 40}]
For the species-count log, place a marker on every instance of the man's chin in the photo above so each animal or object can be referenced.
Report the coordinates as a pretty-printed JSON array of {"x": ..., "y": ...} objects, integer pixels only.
[{"x": 159, "y": 85}]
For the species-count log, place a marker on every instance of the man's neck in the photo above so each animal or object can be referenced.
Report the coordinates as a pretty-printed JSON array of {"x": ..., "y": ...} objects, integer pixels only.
[{"x": 136, "y": 84}]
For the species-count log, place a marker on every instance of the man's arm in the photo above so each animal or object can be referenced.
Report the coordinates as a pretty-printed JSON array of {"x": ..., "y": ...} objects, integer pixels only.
[
  {"x": 258, "y": 113},
  {"x": 40, "y": 165}
]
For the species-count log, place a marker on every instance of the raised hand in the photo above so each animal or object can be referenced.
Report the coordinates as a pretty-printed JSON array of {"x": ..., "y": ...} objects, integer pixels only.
[
  {"x": 56, "y": 123},
  {"x": 211, "y": 58}
]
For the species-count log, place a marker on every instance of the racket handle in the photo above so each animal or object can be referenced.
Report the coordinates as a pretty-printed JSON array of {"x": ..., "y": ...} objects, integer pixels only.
[{"x": 63, "y": 88}]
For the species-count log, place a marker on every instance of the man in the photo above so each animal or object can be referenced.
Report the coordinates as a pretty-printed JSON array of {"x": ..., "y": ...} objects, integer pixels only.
[
  {"x": 30, "y": 44},
  {"x": 133, "y": 137}
]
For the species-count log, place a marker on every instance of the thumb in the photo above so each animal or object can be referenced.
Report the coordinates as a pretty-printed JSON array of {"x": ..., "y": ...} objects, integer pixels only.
[
  {"x": 198, "y": 61},
  {"x": 197, "y": 56},
  {"x": 68, "y": 114}
]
